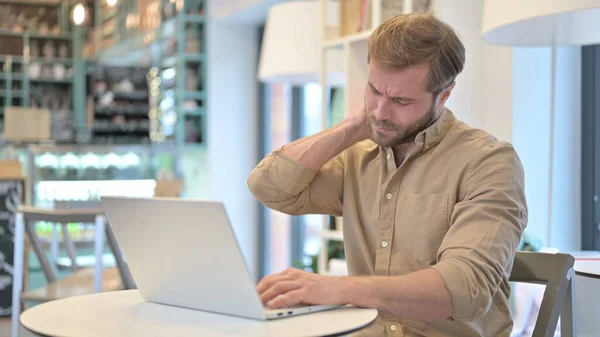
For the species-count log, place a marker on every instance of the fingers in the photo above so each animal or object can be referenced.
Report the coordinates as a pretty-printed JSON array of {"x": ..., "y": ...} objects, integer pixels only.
[
  {"x": 279, "y": 288},
  {"x": 268, "y": 281},
  {"x": 288, "y": 299}
]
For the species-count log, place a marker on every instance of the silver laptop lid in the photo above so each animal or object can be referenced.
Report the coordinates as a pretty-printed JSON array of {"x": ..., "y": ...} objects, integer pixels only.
[{"x": 184, "y": 253}]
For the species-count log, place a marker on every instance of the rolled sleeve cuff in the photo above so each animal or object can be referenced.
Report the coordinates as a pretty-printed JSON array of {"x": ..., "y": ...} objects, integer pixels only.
[
  {"x": 464, "y": 306},
  {"x": 288, "y": 174}
]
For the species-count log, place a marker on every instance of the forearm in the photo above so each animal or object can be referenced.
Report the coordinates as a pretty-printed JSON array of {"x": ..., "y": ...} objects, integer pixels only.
[
  {"x": 421, "y": 295},
  {"x": 314, "y": 151}
]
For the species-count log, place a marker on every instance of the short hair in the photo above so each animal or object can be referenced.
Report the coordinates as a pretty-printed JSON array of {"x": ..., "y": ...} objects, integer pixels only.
[{"x": 410, "y": 39}]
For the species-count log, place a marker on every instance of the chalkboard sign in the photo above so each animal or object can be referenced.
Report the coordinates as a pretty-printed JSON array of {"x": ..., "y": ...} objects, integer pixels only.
[{"x": 12, "y": 194}]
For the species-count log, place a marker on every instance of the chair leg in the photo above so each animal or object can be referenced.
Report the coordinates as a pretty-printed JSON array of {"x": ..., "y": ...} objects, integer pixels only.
[
  {"x": 568, "y": 317},
  {"x": 18, "y": 271},
  {"x": 70, "y": 247},
  {"x": 126, "y": 277},
  {"x": 99, "y": 252},
  {"x": 54, "y": 246},
  {"x": 49, "y": 271}
]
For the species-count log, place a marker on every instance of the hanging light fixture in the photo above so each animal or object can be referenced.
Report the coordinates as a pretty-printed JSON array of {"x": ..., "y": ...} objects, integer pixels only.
[
  {"x": 78, "y": 14},
  {"x": 111, "y": 3}
]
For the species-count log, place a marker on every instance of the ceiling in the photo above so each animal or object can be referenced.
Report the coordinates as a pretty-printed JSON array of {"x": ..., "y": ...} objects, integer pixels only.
[{"x": 243, "y": 11}]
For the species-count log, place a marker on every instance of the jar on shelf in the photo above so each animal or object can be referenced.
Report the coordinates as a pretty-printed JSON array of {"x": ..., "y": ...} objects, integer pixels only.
[
  {"x": 48, "y": 50},
  {"x": 59, "y": 71},
  {"x": 34, "y": 49},
  {"x": 63, "y": 50},
  {"x": 70, "y": 166}
]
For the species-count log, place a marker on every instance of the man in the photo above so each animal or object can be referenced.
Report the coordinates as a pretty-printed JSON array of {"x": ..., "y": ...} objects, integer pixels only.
[{"x": 433, "y": 209}]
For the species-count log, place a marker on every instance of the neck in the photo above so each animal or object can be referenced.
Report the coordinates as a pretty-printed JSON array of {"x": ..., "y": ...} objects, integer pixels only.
[{"x": 402, "y": 151}]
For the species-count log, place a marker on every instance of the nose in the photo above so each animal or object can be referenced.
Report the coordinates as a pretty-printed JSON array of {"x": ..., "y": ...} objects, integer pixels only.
[{"x": 381, "y": 111}]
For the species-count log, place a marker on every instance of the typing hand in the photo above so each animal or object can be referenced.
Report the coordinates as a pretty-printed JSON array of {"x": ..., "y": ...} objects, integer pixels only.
[{"x": 295, "y": 286}]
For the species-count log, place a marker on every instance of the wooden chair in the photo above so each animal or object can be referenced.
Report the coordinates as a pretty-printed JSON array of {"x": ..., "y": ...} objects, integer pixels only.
[
  {"x": 557, "y": 273},
  {"x": 83, "y": 280}
]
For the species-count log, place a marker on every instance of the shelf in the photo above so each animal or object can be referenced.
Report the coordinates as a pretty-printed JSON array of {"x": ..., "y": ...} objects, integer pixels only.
[
  {"x": 66, "y": 61},
  {"x": 135, "y": 48},
  {"x": 14, "y": 77},
  {"x": 170, "y": 61},
  {"x": 21, "y": 59},
  {"x": 195, "y": 95},
  {"x": 33, "y": 2},
  {"x": 118, "y": 131},
  {"x": 198, "y": 112},
  {"x": 131, "y": 96},
  {"x": 6, "y": 32},
  {"x": 65, "y": 36},
  {"x": 194, "y": 18},
  {"x": 51, "y": 80},
  {"x": 173, "y": 60},
  {"x": 12, "y": 58},
  {"x": 332, "y": 235},
  {"x": 340, "y": 42},
  {"x": 129, "y": 110},
  {"x": 14, "y": 93},
  {"x": 195, "y": 57}
]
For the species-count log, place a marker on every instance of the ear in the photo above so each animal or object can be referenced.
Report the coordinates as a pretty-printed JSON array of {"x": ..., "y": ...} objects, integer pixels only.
[{"x": 444, "y": 95}]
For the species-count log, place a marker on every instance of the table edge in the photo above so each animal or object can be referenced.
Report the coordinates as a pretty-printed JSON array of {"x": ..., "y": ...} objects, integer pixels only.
[
  {"x": 588, "y": 275},
  {"x": 344, "y": 333}
]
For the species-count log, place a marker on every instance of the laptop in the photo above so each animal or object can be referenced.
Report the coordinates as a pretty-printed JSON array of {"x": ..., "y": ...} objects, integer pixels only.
[{"x": 184, "y": 253}]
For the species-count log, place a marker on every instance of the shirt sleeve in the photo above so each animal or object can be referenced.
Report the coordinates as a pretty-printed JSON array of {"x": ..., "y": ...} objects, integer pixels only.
[
  {"x": 283, "y": 184},
  {"x": 477, "y": 253}
]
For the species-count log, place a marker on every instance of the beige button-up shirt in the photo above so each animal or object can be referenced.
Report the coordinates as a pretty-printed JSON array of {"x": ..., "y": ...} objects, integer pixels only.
[{"x": 456, "y": 204}]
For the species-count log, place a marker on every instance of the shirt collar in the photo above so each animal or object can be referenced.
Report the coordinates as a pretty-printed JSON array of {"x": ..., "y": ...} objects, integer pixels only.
[{"x": 433, "y": 135}]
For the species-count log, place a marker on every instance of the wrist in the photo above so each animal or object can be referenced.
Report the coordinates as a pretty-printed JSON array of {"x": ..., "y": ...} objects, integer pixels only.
[
  {"x": 348, "y": 289},
  {"x": 356, "y": 129}
]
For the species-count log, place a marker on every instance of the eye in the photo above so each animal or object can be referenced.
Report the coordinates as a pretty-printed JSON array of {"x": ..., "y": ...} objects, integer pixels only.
[
  {"x": 401, "y": 103},
  {"x": 374, "y": 91}
]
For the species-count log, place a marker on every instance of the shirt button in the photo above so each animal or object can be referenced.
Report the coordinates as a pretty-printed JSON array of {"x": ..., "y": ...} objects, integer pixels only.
[
  {"x": 393, "y": 327},
  {"x": 383, "y": 244},
  {"x": 389, "y": 196},
  {"x": 389, "y": 156}
]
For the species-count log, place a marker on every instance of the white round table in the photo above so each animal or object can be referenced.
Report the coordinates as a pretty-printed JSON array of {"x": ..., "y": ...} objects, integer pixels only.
[
  {"x": 125, "y": 313},
  {"x": 587, "y": 266},
  {"x": 587, "y": 293}
]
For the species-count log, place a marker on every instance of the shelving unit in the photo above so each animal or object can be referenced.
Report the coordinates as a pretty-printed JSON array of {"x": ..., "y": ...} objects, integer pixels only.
[
  {"x": 119, "y": 100},
  {"x": 329, "y": 234},
  {"x": 39, "y": 61},
  {"x": 346, "y": 40},
  {"x": 354, "y": 47},
  {"x": 173, "y": 50}
]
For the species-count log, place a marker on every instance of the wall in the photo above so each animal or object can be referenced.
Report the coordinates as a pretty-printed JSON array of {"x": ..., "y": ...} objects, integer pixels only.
[
  {"x": 531, "y": 112},
  {"x": 482, "y": 96},
  {"x": 506, "y": 91},
  {"x": 242, "y": 11},
  {"x": 232, "y": 127}
]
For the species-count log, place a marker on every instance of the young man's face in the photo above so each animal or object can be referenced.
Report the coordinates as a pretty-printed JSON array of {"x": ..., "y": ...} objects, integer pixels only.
[{"x": 398, "y": 105}]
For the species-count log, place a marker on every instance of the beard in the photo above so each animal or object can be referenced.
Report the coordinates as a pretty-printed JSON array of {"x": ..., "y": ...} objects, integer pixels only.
[{"x": 402, "y": 134}]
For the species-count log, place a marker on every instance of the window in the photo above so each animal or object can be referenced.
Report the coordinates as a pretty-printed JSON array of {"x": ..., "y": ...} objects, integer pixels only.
[{"x": 590, "y": 212}]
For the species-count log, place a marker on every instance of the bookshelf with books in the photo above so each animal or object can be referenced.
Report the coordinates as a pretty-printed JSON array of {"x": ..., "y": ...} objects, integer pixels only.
[{"x": 349, "y": 29}]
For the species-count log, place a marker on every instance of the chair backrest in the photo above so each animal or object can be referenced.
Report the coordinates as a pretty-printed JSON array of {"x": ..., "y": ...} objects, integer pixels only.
[{"x": 556, "y": 272}]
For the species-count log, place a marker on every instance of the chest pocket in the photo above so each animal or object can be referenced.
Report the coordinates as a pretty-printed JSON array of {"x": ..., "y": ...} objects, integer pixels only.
[{"x": 422, "y": 220}]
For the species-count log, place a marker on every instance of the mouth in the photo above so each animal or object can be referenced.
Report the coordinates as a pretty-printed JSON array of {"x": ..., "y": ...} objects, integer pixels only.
[{"x": 383, "y": 130}]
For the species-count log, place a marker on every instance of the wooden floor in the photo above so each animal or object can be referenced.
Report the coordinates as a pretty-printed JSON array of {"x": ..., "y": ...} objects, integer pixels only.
[{"x": 5, "y": 329}]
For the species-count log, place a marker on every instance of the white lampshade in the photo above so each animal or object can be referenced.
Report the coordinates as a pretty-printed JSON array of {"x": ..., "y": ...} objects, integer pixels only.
[
  {"x": 291, "y": 47},
  {"x": 529, "y": 22}
]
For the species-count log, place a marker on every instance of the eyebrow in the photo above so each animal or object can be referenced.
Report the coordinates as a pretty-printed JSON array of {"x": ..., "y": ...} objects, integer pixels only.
[{"x": 399, "y": 98}]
